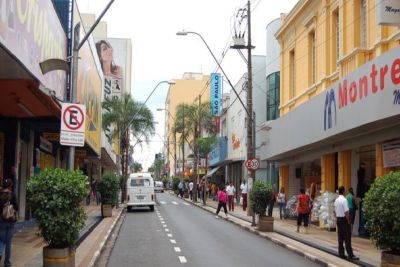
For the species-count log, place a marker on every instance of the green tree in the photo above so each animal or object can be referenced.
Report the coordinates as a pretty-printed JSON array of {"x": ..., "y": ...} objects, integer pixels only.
[
  {"x": 127, "y": 116},
  {"x": 205, "y": 145},
  {"x": 191, "y": 121}
]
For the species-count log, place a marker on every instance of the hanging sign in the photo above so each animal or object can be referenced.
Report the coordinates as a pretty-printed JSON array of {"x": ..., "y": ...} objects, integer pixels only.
[
  {"x": 215, "y": 93},
  {"x": 72, "y": 125}
]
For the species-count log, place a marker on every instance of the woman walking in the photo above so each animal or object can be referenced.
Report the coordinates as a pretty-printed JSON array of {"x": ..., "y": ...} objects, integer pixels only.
[
  {"x": 222, "y": 201},
  {"x": 281, "y": 201}
]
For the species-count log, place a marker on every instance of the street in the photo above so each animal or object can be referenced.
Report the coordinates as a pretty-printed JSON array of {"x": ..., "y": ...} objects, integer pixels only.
[{"x": 178, "y": 233}]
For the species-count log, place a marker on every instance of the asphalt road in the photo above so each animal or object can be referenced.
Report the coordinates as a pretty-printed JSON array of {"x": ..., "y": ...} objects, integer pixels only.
[{"x": 177, "y": 233}]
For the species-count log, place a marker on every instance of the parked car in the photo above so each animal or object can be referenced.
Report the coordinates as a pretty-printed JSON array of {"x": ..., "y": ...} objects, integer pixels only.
[
  {"x": 159, "y": 187},
  {"x": 140, "y": 191}
]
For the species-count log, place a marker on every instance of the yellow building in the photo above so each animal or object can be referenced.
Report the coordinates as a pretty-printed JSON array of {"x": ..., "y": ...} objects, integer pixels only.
[
  {"x": 185, "y": 90},
  {"x": 339, "y": 97}
]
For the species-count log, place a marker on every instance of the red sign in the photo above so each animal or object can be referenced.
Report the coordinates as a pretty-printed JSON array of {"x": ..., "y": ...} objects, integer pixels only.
[
  {"x": 252, "y": 164},
  {"x": 72, "y": 125}
]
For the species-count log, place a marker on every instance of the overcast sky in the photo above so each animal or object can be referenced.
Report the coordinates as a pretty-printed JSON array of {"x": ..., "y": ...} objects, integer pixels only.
[{"x": 158, "y": 54}]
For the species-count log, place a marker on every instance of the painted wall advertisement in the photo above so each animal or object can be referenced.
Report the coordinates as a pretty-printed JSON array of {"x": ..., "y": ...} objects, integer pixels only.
[
  {"x": 32, "y": 32},
  {"x": 89, "y": 86},
  {"x": 215, "y": 93}
]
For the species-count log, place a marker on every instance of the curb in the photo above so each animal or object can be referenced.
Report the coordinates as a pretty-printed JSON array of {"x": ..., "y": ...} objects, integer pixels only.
[
  {"x": 306, "y": 255},
  {"x": 105, "y": 239}
]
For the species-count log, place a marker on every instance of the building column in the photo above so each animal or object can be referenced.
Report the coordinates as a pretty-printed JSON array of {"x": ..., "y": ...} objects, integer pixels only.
[
  {"x": 379, "y": 169},
  {"x": 345, "y": 169},
  {"x": 328, "y": 173},
  {"x": 284, "y": 179}
]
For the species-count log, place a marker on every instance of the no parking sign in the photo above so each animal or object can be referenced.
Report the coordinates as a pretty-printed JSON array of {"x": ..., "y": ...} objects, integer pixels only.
[{"x": 72, "y": 125}]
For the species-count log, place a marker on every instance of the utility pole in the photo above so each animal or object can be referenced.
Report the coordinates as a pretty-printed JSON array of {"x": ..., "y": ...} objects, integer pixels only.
[{"x": 239, "y": 44}]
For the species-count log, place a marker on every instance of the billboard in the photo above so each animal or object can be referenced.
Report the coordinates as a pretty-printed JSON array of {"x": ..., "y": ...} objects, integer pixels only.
[
  {"x": 215, "y": 94},
  {"x": 113, "y": 54},
  {"x": 32, "y": 32}
]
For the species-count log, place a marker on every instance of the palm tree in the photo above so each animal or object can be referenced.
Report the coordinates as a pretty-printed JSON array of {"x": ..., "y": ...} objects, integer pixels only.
[
  {"x": 190, "y": 121},
  {"x": 127, "y": 115}
]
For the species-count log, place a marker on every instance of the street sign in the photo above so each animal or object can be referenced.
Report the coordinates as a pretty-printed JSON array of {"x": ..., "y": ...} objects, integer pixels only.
[
  {"x": 72, "y": 125},
  {"x": 252, "y": 164}
]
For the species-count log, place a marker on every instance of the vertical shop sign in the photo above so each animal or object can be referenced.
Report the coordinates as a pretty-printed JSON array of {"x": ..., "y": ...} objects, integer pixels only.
[{"x": 215, "y": 93}]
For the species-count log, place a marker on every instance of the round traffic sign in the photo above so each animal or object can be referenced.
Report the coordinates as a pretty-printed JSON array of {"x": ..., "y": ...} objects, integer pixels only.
[
  {"x": 252, "y": 164},
  {"x": 73, "y": 117}
]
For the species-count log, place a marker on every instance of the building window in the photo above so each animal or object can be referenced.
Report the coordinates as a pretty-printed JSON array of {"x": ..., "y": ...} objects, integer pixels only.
[
  {"x": 292, "y": 73},
  {"x": 273, "y": 87},
  {"x": 311, "y": 58},
  {"x": 336, "y": 40},
  {"x": 363, "y": 23}
]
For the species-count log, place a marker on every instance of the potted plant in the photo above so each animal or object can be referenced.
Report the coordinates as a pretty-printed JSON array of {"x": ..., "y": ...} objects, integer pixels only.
[
  {"x": 108, "y": 187},
  {"x": 56, "y": 198},
  {"x": 175, "y": 183},
  {"x": 380, "y": 207},
  {"x": 260, "y": 196},
  {"x": 165, "y": 182}
]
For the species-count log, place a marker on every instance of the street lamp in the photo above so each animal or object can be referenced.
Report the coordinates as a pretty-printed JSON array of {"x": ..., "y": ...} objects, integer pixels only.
[{"x": 249, "y": 107}]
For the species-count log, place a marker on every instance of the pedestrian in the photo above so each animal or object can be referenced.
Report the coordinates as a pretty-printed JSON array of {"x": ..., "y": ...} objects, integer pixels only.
[
  {"x": 180, "y": 188},
  {"x": 191, "y": 190},
  {"x": 343, "y": 225},
  {"x": 231, "y": 196},
  {"x": 7, "y": 226},
  {"x": 214, "y": 191},
  {"x": 271, "y": 204},
  {"x": 303, "y": 210},
  {"x": 352, "y": 207},
  {"x": 222, "y": 201},
  {"x": 244, "y": 189},
  {"x": 281, "y": 202}
]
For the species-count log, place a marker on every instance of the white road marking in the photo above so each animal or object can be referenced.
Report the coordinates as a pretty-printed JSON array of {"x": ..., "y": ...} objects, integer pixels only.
[
  {"x": 169, "y": 235},
  {"x": 187, "y": 204},
  {"x": 177, "y": 249},
  {"x": 164, "y": 225},
  {"x": 175, "y": 203},
  {"x": 166, "y": 230},
  {"x": 182, "y": 259},
  {"x": 163, "y": 202},
  {"x": 172, "y": 241}
]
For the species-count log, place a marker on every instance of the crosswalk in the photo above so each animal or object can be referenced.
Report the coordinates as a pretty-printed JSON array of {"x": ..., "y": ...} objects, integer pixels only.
[{"x": 173, "y": 203}]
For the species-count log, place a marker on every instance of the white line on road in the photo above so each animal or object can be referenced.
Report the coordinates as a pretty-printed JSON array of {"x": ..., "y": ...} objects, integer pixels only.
[
  {"x": 175, "y": 203},
  {"x": 187, "y": 204},
  {"x": 172, "y": 241},
  {"x": 177, "y": 249},
  {"x": 163, "y": 202},
  {"x": 164, "y": 225},
  {"x": 182, "y": 259},
  {"x": 169, "y": 235},
  {"x": 166, "y": 230}
]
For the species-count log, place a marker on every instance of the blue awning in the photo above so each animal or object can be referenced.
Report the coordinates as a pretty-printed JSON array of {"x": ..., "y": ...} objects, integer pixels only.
[{"x": 212, "y": 172}]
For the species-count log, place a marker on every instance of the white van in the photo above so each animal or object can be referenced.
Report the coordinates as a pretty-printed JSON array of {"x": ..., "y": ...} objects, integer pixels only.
[{"x": 140, "y": 191}]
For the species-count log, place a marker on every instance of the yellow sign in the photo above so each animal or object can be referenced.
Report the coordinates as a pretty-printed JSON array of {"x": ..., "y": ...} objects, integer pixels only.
[{"x": 51, "y": 136}]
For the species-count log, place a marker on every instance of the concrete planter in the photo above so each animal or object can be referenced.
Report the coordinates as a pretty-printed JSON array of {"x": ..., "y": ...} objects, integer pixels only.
[
  {"x": 58, "y": 257},
  {"x": 265, "y": 223},
  {"x": 106, "y": 210},
  {"x": 390, "y": 260}
]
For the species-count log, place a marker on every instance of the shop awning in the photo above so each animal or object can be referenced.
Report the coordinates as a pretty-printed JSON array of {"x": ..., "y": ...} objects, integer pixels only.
[{"x": 212, "y": 172}]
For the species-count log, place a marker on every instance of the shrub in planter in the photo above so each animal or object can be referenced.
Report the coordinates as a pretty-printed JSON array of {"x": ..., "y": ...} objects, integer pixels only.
[
  {"x": 175, "y": 183},
  {"x": 260, "y": 196},
  {"x": 165, "y": 182},
  {"x": 108, "y": 187},
  {"x": 381, "y": 209},
  {"x": 56, "y": 197}
]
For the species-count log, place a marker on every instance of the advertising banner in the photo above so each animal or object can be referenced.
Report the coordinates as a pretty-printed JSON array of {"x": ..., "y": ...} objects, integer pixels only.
[
  {"x": 32, "y": 32},
  {"x": 89, "y": 86},
  {"x": 215, "y": 94},
  {"x": 388, "y": 12}
]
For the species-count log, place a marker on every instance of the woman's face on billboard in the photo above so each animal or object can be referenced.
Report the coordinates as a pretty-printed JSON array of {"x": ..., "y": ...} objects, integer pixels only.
[{"x": 106, "y": 52}]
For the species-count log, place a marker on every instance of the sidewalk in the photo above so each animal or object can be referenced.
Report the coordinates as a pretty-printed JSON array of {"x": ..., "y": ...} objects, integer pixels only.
[
  {"x": 319, "y": 245},
  {"x": 27, "y": 245}
]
